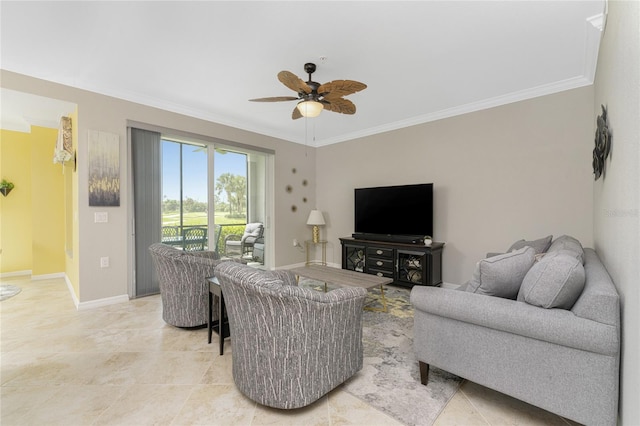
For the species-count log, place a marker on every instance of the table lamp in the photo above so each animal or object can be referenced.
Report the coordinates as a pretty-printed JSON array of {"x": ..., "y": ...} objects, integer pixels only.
[{"x": 316, "y": 219}]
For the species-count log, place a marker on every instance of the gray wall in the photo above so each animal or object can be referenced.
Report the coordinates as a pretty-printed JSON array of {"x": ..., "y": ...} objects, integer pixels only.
[
  {"x": 517, "y": 171},
  {"x": 617, "y": 195}
]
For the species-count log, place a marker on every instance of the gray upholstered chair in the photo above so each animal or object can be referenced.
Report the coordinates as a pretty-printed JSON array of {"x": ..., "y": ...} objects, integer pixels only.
[
  {"x": 291, "y": 345},
  {"x": 183, "y": 287},
  {"x": 243, "y": 244}
]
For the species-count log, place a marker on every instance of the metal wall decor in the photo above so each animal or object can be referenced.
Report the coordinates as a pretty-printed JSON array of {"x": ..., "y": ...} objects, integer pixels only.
[
  {"x": 603, "y": 144},
  {"x": 289, "y": 190}
]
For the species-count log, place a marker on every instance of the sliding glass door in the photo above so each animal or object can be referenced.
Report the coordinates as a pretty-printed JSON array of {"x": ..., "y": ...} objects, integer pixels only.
[
  {"x": 197, "y": 195},
  {"x": 185, "y": 200}
]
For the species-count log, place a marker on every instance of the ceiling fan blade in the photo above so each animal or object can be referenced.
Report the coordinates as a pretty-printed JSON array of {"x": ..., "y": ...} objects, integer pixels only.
[
  {"x": 341, "y": 105},
  {"x": 296, "y": 113},
  {"x": 293, "y": 82},
  {"x": 275, "y": 99},
  {"x": 340, "y": 88}
]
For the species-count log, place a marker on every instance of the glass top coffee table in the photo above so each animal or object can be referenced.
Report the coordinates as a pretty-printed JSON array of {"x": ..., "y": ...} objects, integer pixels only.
[{"x": 345, "y": 278}]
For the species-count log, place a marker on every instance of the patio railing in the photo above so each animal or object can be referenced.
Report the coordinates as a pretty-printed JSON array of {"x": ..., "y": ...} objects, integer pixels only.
[{"x": 197, "y": 237}]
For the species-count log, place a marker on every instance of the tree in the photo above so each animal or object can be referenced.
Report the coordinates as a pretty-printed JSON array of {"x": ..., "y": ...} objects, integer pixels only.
[
  {"x": 170, "y": 206},
  {"x": 239, "y": 188},
  {"x": 235, "y": 188},
  {"x": 225, "y": 184}
]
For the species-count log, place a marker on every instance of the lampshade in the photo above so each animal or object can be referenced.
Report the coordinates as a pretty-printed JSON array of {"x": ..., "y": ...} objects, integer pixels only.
[
  {"x": 315, "y": 218},
  {"x": 310, "y": 108}
]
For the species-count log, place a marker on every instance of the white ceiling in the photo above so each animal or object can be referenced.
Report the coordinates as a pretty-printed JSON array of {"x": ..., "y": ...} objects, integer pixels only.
[{"x": 421, "y": 60}]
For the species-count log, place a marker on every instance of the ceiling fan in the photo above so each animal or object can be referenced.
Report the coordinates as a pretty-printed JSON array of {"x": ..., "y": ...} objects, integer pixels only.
[{"x": 313, "y": 97}]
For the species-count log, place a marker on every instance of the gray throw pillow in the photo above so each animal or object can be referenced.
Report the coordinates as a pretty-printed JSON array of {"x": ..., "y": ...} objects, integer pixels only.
[
  {"x": 540, "y": 246},
  {"x": 571, "y": 244},
  {"x": 502, "y": 275},
  {"x": 556, "y": 281}
]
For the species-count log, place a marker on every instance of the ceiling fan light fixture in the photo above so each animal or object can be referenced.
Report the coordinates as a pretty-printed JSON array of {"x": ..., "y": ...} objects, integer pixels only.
[{"x": 310, "y": 108}]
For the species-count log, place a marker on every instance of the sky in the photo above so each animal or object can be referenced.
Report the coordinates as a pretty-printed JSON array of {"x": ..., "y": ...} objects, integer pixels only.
[{"x": 195, "y": 170}]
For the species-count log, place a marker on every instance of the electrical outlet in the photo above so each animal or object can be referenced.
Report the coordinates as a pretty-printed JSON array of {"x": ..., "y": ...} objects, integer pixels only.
[
  {"x": 104, "y": 262},
  {"x": 295, "y": 242}
]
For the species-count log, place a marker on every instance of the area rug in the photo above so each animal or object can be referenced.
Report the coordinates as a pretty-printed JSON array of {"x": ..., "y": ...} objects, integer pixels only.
[
  {"x": 7, "y": 291},
  {"x": 390, "y": 378}
]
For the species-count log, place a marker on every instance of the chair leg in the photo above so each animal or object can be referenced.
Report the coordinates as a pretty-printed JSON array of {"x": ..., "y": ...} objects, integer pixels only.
[{"x": 424, "y": 372}]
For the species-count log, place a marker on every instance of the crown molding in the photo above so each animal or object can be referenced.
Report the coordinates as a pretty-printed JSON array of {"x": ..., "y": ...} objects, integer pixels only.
[{"x": 522, "y": 95}]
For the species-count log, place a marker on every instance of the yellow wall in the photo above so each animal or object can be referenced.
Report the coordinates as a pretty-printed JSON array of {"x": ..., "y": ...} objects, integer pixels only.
[
  {"x": 32, "y": 228},
  {"x": 15, "y": 209},
  {"x": 47, "y": 200}
]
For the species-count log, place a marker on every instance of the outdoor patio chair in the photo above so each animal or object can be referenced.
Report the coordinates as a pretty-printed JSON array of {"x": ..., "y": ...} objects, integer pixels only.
[
  {"x": 243, "y": 244},
  {"x": 194, "y": 239}
]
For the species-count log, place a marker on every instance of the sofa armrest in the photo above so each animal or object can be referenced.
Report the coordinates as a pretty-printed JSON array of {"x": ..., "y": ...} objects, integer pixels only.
[{"x": 556, "y": 326}]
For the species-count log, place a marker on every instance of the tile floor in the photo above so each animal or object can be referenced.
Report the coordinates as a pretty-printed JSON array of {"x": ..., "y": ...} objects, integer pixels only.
[{"x": 122, "y": 365}]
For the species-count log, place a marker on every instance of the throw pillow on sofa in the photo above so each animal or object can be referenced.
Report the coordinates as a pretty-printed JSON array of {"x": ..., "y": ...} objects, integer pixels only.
[
  {"x": 540, "y": 246},
  {"x": 571, "y": 244},
  {"x": 502, "y": 275},
  {"x": 556, "y": 281}
]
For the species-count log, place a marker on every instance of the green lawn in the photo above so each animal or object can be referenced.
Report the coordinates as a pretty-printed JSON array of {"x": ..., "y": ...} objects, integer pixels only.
[{"x": 198, "y": 218}]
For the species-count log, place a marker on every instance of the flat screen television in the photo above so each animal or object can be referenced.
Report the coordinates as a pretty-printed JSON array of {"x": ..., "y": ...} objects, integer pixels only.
[{"x": 394, "y": 211}]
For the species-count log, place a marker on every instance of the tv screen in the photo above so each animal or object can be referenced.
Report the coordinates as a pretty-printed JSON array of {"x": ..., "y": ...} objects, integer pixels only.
[{"x": 395, "y": 210}]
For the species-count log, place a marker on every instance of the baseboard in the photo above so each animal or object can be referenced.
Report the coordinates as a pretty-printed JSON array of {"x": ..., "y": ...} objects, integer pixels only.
[
  {"x": 72, "y": 291},
  {"x": 92, "y": 304},
  {"x": 98, "y": 303},
  {"x": 15, "y": 274},
  {"x": 293, "y": 265},
  {"x": 48, "y": 276}
]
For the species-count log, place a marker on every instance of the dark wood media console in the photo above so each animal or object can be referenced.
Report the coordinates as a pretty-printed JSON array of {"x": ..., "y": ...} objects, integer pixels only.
[{"x": 406, "y": 264}]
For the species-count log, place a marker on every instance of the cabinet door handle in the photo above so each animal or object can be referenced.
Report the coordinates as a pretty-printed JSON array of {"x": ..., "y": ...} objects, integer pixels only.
[
  {"x": 379, "y": 274},
  {"x": 378, "y": 251},
  {"x": 379, "y": 263}
]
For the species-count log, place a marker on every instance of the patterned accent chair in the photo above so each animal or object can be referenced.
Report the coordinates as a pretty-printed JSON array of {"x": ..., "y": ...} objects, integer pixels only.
[
  {"x": 183, "y": 287},
  {"x": 291, "y": 345}
]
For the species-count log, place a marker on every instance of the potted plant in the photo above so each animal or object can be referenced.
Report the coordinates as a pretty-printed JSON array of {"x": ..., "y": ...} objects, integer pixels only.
[{"x": 6, "y": 187}]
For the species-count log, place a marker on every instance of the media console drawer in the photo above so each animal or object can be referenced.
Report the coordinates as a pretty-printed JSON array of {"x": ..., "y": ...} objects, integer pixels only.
[
  {"x": 380, "y": 252},
  {"x": 407, "y": 264},
  {"x": 384, "y": 264},
  {"x": 384, "y": 274}
]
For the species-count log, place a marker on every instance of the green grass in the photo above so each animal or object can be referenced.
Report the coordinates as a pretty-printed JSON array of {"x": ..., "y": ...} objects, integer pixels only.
[{"x": 198, "y": 218}]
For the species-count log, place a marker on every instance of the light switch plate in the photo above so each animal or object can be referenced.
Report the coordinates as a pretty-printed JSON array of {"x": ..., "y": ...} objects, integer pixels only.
[{"x": 101, "y": 217}]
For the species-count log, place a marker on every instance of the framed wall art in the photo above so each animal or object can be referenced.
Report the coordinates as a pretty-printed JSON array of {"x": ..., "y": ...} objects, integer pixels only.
[{"x": 104, "y": 169}]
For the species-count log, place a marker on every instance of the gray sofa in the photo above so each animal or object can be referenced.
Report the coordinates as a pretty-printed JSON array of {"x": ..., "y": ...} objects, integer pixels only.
[
  {"x": 290, "y": 345},
  {"x": 544, "y": 348}
]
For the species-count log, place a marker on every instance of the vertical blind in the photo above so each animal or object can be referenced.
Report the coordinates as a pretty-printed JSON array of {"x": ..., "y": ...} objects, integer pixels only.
[{"x": 147, "y": 194}]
